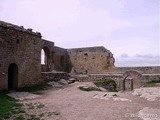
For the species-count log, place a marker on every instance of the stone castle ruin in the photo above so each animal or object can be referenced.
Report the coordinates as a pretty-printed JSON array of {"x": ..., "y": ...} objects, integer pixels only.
[{"x": 20, "y": 62}]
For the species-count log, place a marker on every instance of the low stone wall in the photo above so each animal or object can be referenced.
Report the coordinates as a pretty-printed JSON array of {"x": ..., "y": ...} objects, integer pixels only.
[
  {"x": 142, "y": 70},
  {"x": 149, "y": 77},
  {"x": 54, "y": 76},
  {"x": 119, "y": 78},
  {"x": 96, "y": 77}
]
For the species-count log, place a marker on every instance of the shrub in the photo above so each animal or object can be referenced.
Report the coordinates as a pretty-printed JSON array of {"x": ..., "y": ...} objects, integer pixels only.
[
  {"x": 89, "y": 89},
  {"x": 154, "y": 81},
  {"x": 108, "y": 84}
]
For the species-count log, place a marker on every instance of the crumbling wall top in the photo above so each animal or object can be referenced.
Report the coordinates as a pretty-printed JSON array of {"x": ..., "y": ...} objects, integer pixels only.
[
  {"x": 90, "y": 49},
  {"x": 18, "y": 28}
]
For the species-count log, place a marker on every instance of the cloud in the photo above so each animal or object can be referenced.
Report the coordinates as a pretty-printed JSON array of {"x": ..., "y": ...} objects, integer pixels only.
[
  {"x": 138, "y": 60},
  {"x": 124, "y": 55},
  {"x": 122, "y": 26},
  {"x": 40, "y": 13},
  {"x": 72, "y": 20}
]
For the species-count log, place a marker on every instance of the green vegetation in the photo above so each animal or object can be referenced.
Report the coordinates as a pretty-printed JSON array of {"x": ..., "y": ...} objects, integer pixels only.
[
  {"x": 9, "y": 106},
  {"x": 14, "y": 110},
  {"x": 40, "y": 105},
  {"x": 20, "y": 117},
  {"x": 41, "y": 115},
  {"x": 34, "y": 117},
  {"x": 35, "y": 105},
  {"x": 108, "y": 84},
  {"x": 35, "y": 87},
  {"x": 31, "y": 106},
  {"x": 107, "y": 81},
  {"x": 152, "y": 83},
  {"x": 53, "y": 113},
  {"x": 89, "y": 89}
]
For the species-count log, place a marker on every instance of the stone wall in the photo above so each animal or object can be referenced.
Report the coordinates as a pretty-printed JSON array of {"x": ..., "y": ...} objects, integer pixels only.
[
  {"x": 91, "y": 60},
  {"x": 19, "y": 47},
  {"x": 121, "y": 79},
  {"x": 20, "y": 61},
  {"x": 56, "y": 76},
  {"x": 47, "y": 46},
  {"x": 57, "y": 58},
  {"x": 61, "y": 60}
]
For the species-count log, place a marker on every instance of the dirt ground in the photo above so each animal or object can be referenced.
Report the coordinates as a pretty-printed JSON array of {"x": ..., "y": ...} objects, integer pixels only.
[{"x": 73, "y": 104}]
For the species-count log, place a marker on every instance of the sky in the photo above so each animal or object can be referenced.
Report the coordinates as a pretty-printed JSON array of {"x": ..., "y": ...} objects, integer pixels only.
[{"x": 128, "y": 28}]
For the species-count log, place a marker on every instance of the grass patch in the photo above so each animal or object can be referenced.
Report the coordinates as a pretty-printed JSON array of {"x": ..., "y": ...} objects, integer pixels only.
[
  {"x": 20, "y": 117},
  {"x": 89, "y": 89},
  {"x": 40, "y": 105},
  {"x": 34, "y": 117},
  {"x": 11, "y": 109},
  {"x": 53, "y": 113},
  {"x": 41, "y": 115},
  {"x": 30, "y": 106},
  {"x": 35, "y": 87},
  {"x": 17, "y": 110},
  {"x": 152, "y": 83},
  {"x": 9, "y": 106}
]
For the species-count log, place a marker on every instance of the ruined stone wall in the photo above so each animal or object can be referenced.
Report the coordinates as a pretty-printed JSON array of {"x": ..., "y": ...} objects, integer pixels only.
[
  {"x": 144, "y": 70},
  {"x": 118, "y": 78},
  {"x": 56, "y": 76},
  {"x": 57, "y": 58},
  {"x": 91, "y": 59},
  {"x": 22, "y": 47},
  {"x": 60, "y": 59},
  {"x": 47, "y": 46}
]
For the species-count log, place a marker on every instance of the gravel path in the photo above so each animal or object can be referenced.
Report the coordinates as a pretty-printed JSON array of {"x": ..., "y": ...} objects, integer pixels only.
[{"x": 74, "y": 104}]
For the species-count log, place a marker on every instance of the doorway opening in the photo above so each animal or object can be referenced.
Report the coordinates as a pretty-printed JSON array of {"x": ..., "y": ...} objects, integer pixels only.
[
  {"x": 12, "y": 77},
  {"x": 45, "y": 59}
]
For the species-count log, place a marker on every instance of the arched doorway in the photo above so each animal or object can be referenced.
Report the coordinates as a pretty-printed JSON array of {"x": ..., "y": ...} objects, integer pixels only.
[
  {"x": 12, "y": 77},
  {"x": 45, "y": 59},
  {"x": 132, "y": 80}
]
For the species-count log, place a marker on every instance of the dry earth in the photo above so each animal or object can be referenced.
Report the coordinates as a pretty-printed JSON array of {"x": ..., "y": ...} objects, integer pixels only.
[{"x": 70, "y": 103}]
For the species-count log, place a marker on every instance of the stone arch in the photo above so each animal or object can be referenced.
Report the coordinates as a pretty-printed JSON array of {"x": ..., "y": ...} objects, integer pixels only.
[
  {"x": 132, "y": 79},
  {"x": 12, "y": 76},
  {"x": 45, "y": 58},
  {"x": 132, "y": 73}
]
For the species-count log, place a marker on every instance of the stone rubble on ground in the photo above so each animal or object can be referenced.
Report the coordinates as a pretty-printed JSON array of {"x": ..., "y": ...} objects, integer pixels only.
[
  {"x": 86, "y": 85},
  {"x": 110, "y": 95},
  {"x": 63, "y": 82},
  {"x": 72, "y": 80},
  {"x": 55, "y": 84},
  {"x": 23, "y": 95},
  {"x": 150, "y": 93},
  {"x": 102, "y": 89}
]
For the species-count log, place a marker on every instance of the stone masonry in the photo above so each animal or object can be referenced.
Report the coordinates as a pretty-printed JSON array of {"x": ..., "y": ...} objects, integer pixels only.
[
  {"x": 91, "y": 60},
  {"x": 20, "y": 57},
  {"x": 20, "y": 62}
]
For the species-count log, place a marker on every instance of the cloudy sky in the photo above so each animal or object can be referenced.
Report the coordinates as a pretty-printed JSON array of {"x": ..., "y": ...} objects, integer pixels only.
[{"x": 128, "y": 28}]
